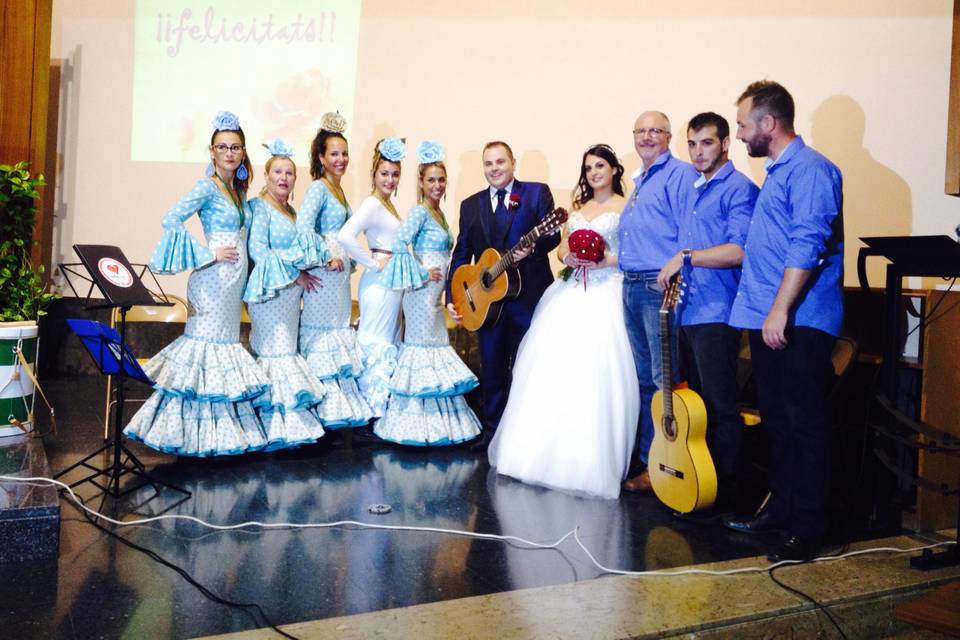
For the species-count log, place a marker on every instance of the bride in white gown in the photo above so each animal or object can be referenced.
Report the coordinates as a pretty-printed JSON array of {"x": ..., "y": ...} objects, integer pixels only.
[{"x": 571, "y": 418}]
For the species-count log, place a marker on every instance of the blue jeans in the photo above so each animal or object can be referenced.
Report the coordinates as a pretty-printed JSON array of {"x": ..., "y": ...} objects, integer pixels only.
[{"x": 641, "y": 311}]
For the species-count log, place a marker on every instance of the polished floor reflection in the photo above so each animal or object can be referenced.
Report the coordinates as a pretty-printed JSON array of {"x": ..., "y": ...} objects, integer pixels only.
[{"x": 101, "y": 588}]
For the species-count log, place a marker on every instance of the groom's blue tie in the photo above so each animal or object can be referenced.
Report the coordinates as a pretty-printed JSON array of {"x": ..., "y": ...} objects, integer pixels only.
[{"x": 500, "y": 214}]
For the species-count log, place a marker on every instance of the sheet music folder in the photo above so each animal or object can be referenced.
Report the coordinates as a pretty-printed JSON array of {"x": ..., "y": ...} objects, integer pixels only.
[
  {"x": 104, "y": 346},
  {"x": 113, "y": 275}
]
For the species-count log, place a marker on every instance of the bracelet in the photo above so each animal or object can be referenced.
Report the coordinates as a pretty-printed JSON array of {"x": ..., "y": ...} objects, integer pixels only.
[{"x": 687, "y": 257}]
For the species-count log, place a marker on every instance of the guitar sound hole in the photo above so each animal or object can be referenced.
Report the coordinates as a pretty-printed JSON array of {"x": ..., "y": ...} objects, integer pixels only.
[
  {"x": 670, "y": 429},
  {"x": 485, "y": 280}
]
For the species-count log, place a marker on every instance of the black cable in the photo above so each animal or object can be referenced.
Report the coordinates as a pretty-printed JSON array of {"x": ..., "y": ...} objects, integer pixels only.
[
  {"x": 928, "y": 317},
  {"x": 808, "y": 598},
  {"x": 207, "y": 593}
]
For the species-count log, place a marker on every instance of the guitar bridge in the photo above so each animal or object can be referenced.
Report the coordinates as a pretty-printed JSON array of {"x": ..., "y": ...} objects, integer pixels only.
[
  {"x": 466, "y": 290},
  {"x": 676, "y": 473}
]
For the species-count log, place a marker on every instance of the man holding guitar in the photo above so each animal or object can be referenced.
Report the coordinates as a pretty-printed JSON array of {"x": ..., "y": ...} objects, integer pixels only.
[
  {"x": 713, "y": 227},
  {"x": 499, "y": 217}
]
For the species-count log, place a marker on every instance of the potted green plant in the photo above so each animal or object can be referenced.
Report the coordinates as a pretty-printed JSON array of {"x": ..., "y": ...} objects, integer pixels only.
[{"x": 23, "y": 296}]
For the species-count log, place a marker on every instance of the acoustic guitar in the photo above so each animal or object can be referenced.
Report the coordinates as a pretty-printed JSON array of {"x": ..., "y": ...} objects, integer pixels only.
[
  {"x": 478, "y": 289},
  {"x": 680, "y": 467}
]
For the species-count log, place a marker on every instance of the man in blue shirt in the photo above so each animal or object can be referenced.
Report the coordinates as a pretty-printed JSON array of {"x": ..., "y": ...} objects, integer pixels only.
[
  {"x": 790, "y": 300},
  {"x": 712, "y": 229},
  {"x": 648, "y": 238}
]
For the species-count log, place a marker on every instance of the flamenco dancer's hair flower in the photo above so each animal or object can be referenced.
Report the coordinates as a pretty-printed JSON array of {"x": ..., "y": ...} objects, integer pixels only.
[
  {"x": 429, "y": 151},
  {"x": 333, "y": 122},
  {"x": 393, "y": 149},
  {"x": 279, "y": 148},
  {"x": 226, "y": 121}
]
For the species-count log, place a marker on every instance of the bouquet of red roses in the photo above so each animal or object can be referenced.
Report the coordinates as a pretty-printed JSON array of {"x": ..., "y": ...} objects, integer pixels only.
[{"x": 585, "y": 244}]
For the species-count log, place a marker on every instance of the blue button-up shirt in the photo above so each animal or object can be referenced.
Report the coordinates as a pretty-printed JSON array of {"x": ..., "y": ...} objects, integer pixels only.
[
  {"x": 717, "y": 212},
  {"x": 648, "y": 224},
  {"x": 798, "y": 223}
]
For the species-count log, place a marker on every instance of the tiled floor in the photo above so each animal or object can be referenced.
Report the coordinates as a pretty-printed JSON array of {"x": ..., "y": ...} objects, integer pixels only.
[{"x": 102, "y": 589}]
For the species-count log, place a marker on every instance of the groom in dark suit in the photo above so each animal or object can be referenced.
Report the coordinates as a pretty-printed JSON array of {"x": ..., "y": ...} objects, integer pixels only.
[{"x": 498, "y": 217}]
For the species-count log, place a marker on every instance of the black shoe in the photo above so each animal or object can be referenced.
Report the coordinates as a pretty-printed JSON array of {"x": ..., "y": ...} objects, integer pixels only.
[
  {"x": 481, "y": 443},
  {"x": 794, "y": 548},
  {"x": 764, "y": 522},
  {"x": 362, "y": 436}
]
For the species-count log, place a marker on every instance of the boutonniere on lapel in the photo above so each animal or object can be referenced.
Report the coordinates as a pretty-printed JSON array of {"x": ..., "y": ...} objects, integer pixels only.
[{"x": 514, "y": 201}]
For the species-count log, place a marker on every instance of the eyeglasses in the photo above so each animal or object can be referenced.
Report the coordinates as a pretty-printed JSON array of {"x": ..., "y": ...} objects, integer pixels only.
[
  {"x": 223, "y": 148},
  {"x": 653, "y": 131}
]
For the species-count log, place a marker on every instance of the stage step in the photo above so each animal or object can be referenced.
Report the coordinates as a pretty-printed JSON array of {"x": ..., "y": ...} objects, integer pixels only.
[{"x": 29, "y": 514}]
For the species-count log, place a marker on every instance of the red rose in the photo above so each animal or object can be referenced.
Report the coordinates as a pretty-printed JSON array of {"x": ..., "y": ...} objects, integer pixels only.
[
  {"x": 514, "y": 201},
  {"x": 587, "y": 244}
]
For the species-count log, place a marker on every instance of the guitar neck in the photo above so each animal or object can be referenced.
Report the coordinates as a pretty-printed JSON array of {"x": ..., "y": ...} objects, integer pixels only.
[
  {"x": 666, "y": 365},
  {"x": 506, "y": 260}
]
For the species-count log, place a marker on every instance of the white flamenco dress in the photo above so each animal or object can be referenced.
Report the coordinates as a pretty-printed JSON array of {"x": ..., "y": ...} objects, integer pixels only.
[{"x": 571, "y": 419}]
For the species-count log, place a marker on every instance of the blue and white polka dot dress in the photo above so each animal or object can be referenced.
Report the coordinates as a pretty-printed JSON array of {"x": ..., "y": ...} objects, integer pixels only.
[
  {"x": 205, "y": 380},
  {"x": 273, "y": 301},
  {"x": 426, "y": 405},
  {"x": 326, "y": 340}
]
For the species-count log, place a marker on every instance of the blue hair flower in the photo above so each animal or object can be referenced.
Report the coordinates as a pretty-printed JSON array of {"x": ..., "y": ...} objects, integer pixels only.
[
  {"x": 279, "y": 148},
  {"x": 226, "y": 121},
  {"x": 393, "y": 149},
  {"x": 429, "y": 151}
]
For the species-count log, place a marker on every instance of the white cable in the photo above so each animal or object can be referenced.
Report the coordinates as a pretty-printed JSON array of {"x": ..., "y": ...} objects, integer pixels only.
[{"x": 470, "y": 534}]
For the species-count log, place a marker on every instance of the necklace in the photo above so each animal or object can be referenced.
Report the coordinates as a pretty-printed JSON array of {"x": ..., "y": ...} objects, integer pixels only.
[
  {"x": 282, "y": 207},
  {"x": 437, "y": 215},
  {"x": 336, "y": 190},
  {"x": 234, "y": 198},
  {"x": 387, "y": 204}
]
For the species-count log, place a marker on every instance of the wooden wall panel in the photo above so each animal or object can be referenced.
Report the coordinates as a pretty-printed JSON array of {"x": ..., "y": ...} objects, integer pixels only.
[
  {"x": 952, "y": 181},
  {"x": 25, "y": 30}
]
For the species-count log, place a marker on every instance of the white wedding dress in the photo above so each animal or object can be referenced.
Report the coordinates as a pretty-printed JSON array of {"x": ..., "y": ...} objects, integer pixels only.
[{"x": 571, "y": 419}]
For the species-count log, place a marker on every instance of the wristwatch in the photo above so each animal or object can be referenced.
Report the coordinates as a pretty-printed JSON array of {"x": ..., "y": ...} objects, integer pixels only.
[{"x": 687, "y": 257}]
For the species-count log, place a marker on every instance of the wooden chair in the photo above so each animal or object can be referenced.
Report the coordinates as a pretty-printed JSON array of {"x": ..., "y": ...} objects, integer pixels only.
[{"x": 141, "y": 313}]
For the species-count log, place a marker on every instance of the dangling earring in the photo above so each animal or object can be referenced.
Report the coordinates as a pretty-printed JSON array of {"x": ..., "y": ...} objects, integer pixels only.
[
  {"x": 209, "y": 170},
  {"x": 242, "y": 173}
]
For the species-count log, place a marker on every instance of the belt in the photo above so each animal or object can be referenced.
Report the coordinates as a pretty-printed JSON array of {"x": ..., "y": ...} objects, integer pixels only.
[
  {"x": 383, "y": 251},
  {"x": 640, "y": 276}
]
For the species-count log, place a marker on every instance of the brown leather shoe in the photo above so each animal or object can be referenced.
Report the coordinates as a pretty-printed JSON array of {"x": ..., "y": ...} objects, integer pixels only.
[{"x": 639, "y": 484}]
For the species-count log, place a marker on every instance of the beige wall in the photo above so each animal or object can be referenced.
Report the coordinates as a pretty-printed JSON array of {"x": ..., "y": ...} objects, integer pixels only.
[{"x": 870, "y": 81}]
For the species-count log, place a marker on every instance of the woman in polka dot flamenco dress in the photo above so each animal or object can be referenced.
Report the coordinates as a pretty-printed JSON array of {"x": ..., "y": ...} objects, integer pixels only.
[
  {"x": 273, "y": 293},
  {"x": 426, "y": 405},
  {"x": 326, "y": 340},
  {"x": 205, "y": 381}
]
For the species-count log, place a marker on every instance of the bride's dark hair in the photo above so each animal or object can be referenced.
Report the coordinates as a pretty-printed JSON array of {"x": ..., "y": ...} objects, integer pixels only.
[{"x": 584, "y": 192}]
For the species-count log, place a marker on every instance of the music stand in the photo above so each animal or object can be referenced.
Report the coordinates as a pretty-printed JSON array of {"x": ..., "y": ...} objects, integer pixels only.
[
  {"x": 930, "y": 256},
  {"x": 115, "y": 278}
]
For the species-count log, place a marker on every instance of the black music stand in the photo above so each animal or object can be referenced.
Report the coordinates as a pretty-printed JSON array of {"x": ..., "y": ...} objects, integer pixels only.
[
  {"x": 930, "y": 256},
  {"x": 121, "y": 287}
]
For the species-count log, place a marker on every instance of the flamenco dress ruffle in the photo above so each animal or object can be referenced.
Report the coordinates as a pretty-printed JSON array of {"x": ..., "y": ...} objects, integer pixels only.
[
  {"x": 329, "y": 346},
  {"x": 426, "y": 406},
  {"x": 205, "y": 381},
  {"x": 287, "y": 408}
]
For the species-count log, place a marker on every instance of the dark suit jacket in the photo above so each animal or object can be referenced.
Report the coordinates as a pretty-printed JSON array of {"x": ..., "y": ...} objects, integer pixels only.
[{"x": 477, "y": 234}]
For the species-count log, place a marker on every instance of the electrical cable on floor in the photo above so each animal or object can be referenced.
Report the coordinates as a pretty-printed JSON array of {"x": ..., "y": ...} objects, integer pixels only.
[
  {"x": 470, "y": 534},
  {"x": 207, "y": 593},
  {"x": 815, "y": 602}
]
